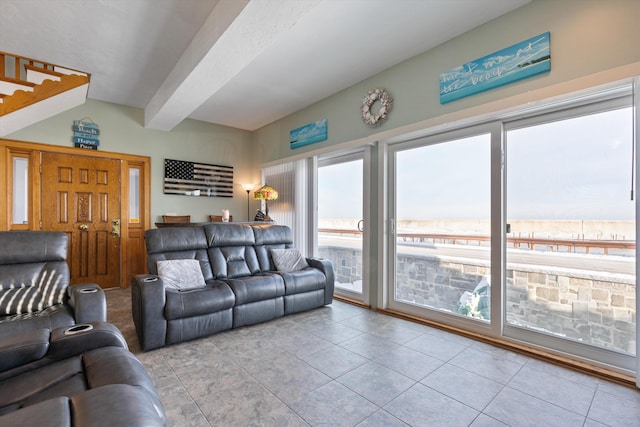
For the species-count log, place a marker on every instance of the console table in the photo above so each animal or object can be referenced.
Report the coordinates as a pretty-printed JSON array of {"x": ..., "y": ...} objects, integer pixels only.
[{"x": 192, "y": 224}]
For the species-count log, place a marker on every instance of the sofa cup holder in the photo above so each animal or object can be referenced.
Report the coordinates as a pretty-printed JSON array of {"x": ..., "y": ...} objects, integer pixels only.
[
  {"x": 88, "y": 290},
  {"x": 77, "y": 329}
]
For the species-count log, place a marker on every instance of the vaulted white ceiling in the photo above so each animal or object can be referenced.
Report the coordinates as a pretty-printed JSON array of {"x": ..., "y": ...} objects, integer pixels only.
[{"x": 237, "y": 63}]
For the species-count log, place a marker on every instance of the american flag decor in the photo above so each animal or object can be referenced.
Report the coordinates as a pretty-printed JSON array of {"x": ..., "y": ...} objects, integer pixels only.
[{"x": 197, "y": 179}]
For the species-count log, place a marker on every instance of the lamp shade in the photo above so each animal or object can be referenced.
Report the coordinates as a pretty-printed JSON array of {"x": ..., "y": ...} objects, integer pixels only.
[{"x": 265, "y": 193}]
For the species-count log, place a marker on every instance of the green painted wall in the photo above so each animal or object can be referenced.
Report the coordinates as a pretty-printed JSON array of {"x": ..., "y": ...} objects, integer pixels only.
[
  {"x": 122, "y": 131},
  {"x": 587, "y": 37}
]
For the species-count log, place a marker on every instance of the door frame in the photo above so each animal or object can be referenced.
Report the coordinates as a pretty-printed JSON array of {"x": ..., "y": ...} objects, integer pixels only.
[{"x": 132, "y": 252}]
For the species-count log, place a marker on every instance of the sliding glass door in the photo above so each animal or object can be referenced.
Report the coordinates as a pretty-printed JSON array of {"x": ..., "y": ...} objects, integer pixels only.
[
  {"x": 571, "y": 257},
  {"x": 522, "y": 229},
  {"x": 441, "y": 226}
]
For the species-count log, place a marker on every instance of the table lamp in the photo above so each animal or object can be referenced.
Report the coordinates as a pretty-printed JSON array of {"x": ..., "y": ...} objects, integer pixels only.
[{"x": 265, "y": 193}]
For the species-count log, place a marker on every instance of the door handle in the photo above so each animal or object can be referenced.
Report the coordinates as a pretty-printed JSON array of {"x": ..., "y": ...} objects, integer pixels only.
[
  {"x": 360, "y": 225},
  {"x": 83, "y": 227},
  {"x": 115, "y": 228}
]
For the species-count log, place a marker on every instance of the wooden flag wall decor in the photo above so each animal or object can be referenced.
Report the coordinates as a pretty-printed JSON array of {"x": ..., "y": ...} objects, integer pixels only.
[{"x": 197, "y": 179}]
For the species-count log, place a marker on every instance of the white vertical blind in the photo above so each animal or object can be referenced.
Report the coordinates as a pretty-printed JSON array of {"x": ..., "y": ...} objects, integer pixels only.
[{"x": 291, "y": 208}]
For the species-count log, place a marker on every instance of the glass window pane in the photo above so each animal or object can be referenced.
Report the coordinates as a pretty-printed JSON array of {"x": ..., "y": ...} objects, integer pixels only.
[
  {"x": 571, "y": 249},
  {"x": 443, "y": 195},
  {"x": 340, "y": 193},
  {"x": 134, "y": 195},
  {"x": 20, "y": 190}
]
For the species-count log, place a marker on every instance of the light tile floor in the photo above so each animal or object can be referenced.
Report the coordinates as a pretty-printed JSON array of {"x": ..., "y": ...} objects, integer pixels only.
[{"x": 346, "y": 366}]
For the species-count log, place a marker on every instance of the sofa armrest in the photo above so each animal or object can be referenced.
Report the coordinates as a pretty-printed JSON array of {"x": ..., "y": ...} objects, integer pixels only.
[
  {"x": 326, "y": 267},
  {"x": 27, "y": 351},
  {"x": 53, "y": 412},
  {"x": 148, "y": 299},
  {"x": 113, "y": 405},
  {"x": 117, "y": 405},
  {"x": 20, "y": 349},
  {"x": 88, "y": 302},
  {"x": 73, "y": 340}
]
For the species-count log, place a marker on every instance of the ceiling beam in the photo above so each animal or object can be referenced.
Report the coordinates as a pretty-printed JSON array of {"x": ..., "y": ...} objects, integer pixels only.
[{"x": 233, "y": 35}]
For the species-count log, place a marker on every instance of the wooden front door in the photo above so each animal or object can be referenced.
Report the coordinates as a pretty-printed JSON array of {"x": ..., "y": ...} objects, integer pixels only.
[{"x": 81, "y": 197}]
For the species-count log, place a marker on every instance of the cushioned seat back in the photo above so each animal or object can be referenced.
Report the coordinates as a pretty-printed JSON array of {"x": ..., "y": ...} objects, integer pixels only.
[
  {"x": 269, "y": 237},
  {"x": 231, "y": 250},
  {"x": 34, "y": 274},
  {"x": 177, "y": 243}
]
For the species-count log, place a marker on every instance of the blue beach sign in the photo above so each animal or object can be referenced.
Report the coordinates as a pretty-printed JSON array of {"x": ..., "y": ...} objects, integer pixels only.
[
  {"x": 86, "y": 134},
  {"x": 86, "y": 127},
  {"x": 308, "y": 134},
  {"x": 522, "y": 60}
]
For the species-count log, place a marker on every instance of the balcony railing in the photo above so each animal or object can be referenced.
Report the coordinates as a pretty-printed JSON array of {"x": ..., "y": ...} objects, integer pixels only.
[
  {"x": 514, "y": 241},
  {"x": 17, "y": 65},
  {"x": 26, "y": 81}
]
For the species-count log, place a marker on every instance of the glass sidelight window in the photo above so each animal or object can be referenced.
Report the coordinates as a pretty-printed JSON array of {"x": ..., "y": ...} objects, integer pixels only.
[
  {"x": 20, "y": 190},
  {"x": 134, "y": 195}
]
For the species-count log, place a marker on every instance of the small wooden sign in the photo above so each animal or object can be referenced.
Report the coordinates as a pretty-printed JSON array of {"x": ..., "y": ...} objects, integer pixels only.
[
  {"x": 89, "y": 147},
  {"x": 83, "y": 126},
  {"x": 85, "y": 129},
  {"x": 83, "y": 140},
  {"x": 85, "y": 134}
]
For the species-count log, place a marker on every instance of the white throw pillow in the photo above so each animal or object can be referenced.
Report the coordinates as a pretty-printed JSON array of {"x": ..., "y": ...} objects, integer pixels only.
[
  {"x": 288, "y": 259},
  {"x": 181, "y": 273}
]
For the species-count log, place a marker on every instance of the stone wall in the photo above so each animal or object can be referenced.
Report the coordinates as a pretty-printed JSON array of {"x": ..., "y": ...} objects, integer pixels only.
[
  {"x": 347, "y": 262},
  {"x": 591, "y": 309},
  {"x": 434, "y": 283}
]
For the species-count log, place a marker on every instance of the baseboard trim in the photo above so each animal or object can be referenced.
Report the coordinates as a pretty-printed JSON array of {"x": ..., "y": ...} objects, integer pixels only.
[
  {"x": 576, "y": 365},
  {"x": 351, "y": 301}
]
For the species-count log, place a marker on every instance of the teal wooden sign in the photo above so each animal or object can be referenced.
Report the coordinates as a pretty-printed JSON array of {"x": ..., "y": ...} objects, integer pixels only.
[
  {"x": 87, "y": 141},
  {"x": 86, "y": 134},
  {"x": 308, "y": 134},
  {"x": 87, "y": 130},
  {"x": 522, "y": 60}
]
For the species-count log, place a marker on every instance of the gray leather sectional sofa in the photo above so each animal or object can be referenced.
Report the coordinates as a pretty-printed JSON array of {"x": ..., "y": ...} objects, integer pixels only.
[{"x": 241, "y": 284}]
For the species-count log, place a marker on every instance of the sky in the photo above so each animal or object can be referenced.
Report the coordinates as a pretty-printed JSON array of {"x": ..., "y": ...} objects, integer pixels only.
[
  {"x": 340, "y": 190},
  {"x": 577, "y": 168}
]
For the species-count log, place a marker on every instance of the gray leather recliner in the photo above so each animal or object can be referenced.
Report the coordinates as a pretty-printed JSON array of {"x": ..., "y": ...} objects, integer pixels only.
[
  {"x": 61, "y": 364},
  {"x": 34, "y": 285}
]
